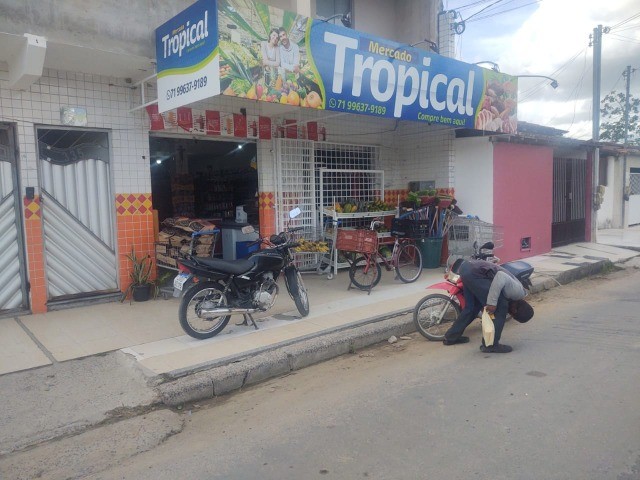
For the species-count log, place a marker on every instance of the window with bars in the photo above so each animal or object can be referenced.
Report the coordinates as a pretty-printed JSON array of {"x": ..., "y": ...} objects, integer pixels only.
[
  {"x": 634, "y": 181},
  {"x": 342, "y": 157}
]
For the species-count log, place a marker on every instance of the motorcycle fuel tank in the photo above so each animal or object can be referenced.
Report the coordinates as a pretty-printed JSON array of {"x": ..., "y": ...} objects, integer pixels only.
[{"x": 266, "y": 260}]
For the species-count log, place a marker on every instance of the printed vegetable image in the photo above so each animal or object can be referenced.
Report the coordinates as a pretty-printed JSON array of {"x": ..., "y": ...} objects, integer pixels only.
[
  {"x": 498, "y": 112},
  {"x": 245, "y": 29}
]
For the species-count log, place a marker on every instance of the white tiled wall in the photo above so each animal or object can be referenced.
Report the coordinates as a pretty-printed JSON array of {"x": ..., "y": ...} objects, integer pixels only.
[
  {"x": 408, "y": 150},
  {"x": 107, "y": 101}
]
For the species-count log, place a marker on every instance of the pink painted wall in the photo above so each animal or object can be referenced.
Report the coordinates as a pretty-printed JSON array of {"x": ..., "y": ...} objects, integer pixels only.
[{"x": 523, "y": 197}]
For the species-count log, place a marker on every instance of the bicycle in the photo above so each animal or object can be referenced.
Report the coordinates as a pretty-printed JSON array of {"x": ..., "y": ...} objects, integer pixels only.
[{"x": 365, "y": 271}]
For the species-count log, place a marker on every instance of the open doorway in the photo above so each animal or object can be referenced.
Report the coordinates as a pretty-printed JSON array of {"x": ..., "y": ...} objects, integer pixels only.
[{"x": 201, "y": 178}]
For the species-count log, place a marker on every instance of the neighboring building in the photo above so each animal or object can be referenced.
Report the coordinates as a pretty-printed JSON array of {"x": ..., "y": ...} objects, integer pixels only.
[
  {"x": 536, "y": 185},
  {"x": 619, "y": 177}
]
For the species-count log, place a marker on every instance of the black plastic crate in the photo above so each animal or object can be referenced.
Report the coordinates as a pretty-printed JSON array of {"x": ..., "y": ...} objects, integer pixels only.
[{"x": 406, "y": 228}]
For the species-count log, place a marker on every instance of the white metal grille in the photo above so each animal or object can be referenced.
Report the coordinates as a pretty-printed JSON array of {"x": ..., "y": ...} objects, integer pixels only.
[
  {"x": 12, "y": 276},
  {"x": 77, "y": 208},
  {"x": 298, "y": 178},
  {"x": 294, "y": 184}
]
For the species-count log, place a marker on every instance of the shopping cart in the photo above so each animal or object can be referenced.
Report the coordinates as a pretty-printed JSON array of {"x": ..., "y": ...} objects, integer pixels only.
[{"x": 467, "y": 233}]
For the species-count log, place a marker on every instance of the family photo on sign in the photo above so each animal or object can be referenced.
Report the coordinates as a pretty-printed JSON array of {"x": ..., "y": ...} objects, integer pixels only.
[{"x": 263, "y": 56}]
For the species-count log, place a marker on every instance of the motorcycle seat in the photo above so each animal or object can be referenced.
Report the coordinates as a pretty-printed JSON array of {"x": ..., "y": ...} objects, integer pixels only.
[{"x": 233, "y": 267}]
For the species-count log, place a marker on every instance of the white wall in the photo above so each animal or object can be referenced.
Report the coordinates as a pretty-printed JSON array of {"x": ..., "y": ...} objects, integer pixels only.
[
  {"x": 633, "y": 209},
  {"x": 606, "y": 213},
  {"x": 474, "y": 176},
  {"x": 107, "y": 101}
]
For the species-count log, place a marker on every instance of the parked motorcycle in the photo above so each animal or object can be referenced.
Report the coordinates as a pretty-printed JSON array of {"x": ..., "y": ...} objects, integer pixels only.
[
  {"x": 213, "y": 289},
  {"x": 434, "y": 313}
]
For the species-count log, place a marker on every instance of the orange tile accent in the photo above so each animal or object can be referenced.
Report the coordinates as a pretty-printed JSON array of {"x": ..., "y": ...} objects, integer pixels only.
[
  {"x": 266, "y": 200},
  {"x": 32, "y": 208},
  {"x": 267, "y": 213},
  {"x": 134, "y": 223},
  {"x": 133, "y": 203},
  {"x": 391, "y": 196},
  {"x": 35, "y": 255}
]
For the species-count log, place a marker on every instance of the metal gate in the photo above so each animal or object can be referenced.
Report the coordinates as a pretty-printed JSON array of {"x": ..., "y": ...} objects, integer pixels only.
[
  {"x": 78, "y": 213},
  {"x": 569, "y": 202},
  {"x": 13, "y": 285}
]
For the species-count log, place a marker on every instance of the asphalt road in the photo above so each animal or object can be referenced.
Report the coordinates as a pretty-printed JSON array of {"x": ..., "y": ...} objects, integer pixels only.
[{"x": 563, "y": 405}]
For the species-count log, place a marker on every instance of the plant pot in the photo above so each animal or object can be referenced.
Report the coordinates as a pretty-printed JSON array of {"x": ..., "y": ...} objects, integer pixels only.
[{"x": 141, "y": 293}]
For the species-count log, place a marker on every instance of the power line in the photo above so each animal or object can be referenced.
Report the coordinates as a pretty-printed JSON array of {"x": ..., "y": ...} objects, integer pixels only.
[
  {"x": 470, "y": 5},
  {"x": 619, "y": 24},
  {"x": 482, "y": 10},
  {"x": 504, "y": 11},
  {"x": 622, "y": 38}
]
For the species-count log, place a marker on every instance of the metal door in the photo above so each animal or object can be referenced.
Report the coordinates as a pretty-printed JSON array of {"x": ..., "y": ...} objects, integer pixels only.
[
  {"x": 13, "y": 284},
  {"x": 569, "y": 203},
  {"x": 78, "y": 213}
]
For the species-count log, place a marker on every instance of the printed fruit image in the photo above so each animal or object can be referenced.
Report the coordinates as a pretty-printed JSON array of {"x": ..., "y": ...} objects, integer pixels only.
[
  {"x": 278, "y": 85},
  {"x": 252, "y": 93},
  {"x": 294, "y": 98},
  {"x": 284, "y": 100},
  {"x": 313, "y": 99}
]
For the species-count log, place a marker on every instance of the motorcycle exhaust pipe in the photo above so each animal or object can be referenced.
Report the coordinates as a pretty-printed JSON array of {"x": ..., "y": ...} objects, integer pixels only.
[{"x": 228, "y": 311}]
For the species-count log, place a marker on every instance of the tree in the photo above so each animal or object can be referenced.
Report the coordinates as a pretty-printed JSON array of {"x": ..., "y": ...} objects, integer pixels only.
[{"x": 612, "y": 112}]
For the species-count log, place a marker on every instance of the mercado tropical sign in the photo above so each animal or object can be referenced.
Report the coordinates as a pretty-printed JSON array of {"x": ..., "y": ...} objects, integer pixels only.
[
  {"x": 188, "y": 62},
  {"x": 272, "y": 55}
]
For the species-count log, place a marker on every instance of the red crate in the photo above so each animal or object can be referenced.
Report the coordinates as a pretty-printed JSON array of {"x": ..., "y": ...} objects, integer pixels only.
[{"x": 361, "y": 241}]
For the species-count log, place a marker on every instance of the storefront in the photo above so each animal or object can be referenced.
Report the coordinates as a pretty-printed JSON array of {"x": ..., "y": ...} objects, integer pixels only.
[{"x": 381, "y": 113}]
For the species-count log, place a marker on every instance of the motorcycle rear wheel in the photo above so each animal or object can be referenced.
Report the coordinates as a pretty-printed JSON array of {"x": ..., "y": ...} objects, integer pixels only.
[
  {"x": 433, "y": 316},
  {"x": 298, "y": 291},
  {"x": 203, "y": 295}
]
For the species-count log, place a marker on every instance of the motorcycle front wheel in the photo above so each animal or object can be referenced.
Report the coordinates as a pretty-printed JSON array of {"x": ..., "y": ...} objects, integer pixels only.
[
  {"x": 434, "y": 314},
  {"x": 194, "y": 319},
  {"x": 298, "y": 291}
]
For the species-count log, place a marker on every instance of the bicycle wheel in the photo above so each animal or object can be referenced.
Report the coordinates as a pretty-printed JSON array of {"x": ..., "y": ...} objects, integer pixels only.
[
  {"x": 434, "y": 314},
  {"x": 365, "y": 272},
  {"x": 409, "y": 263}
]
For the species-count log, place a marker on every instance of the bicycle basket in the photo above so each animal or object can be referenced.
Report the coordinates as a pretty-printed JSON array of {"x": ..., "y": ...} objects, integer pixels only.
[{"x": 362, "y": 241}]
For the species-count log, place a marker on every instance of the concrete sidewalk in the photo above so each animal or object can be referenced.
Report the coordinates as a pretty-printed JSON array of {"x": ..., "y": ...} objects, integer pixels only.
[
  {"x": 111, "y": 362},
  {"x": 150, "y": 332}
]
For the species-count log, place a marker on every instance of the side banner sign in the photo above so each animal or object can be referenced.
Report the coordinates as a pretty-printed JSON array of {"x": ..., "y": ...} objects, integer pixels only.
[{"x": 187, "y": 55}]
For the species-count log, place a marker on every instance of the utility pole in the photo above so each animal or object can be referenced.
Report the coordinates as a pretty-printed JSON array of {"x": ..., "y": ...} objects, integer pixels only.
[
  {"x": 597, "y": 65},
  {"x": 627, "y": 75},
  {"x": 597, "y": 57}
]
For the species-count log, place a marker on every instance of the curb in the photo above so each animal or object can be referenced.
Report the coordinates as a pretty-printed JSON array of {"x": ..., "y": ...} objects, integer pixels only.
[
  {"x": 211, "y": 380},
  {"x": 281, "y": 360}
]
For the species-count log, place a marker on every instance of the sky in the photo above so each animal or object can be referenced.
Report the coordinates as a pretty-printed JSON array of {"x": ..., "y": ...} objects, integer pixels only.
[{"x": 551, "y": 37}]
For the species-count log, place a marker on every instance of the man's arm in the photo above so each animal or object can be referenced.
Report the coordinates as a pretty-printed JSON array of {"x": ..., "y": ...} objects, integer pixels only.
[{"x": 504, "y": 283}]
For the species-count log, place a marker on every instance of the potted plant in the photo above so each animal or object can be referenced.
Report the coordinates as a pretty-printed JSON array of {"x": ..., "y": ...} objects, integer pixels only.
[{"x": 141, "y": 285}]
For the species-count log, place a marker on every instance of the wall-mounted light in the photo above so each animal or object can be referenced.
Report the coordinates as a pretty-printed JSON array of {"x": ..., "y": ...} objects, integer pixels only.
[
  {"x": 554, "y": 82},
  {"x": 494, "y": 66},
  {"x": 345, "y": 18},
  {"x": 432, "y": 45},
  {"x": 158, "y": 161}
]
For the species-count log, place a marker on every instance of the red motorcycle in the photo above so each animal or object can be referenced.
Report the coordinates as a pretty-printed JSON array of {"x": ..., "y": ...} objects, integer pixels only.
[{"x": 434, "y": 314}]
